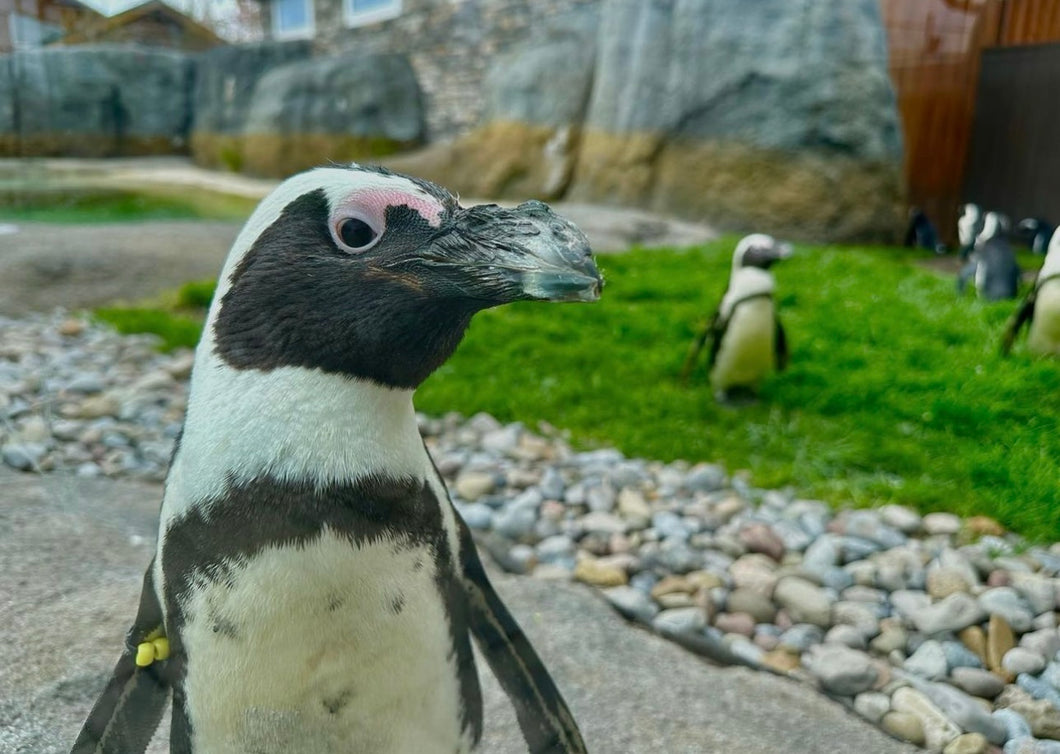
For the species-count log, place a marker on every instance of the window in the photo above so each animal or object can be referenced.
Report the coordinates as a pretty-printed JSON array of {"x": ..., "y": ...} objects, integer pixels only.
[
  {"x": 292, "y": 19},
  {"x": 361, "y": 12}
]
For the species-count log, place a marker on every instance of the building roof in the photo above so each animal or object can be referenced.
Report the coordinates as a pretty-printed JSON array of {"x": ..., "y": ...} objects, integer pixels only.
[{"x": 103, "y": 26}]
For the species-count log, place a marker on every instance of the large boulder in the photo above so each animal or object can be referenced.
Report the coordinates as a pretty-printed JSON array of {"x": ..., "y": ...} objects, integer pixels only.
[
  {"x": 344, "y": 107},
  {"x": 94, "y": 100},
  {"x": 776, "y": 115},
  {"x": 224, "y": 88},
  {"x": 536, "y": 100}
]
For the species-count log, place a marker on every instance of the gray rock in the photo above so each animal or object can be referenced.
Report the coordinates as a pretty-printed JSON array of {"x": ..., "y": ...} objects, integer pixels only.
[
  {"x": 800, "y": 637},
  {"x": 680, "y": 620},
  {"x": 1045, "y": 641},
  {"x": 1015, "y": 724},
  {"x": 1038, "y": 689},
  {"x": 959, "y": 656},
  {"x": 1040, "y": 591},
  {"x": 1028, "y": 745},
  {"x": 705, "y": 477},
  {"x": 928, "y": 661},
  {"x": 632, "y": 603},
  {"x": 872, "y": 705},
  {"x": 1007, "y": 602},
  {"x": 352, "y": 98},
  {"x": 846, "y": 635},
  {"x": 956, "y": 612},
  {"x": 805, "y": 602},
  {"x": 965, "y": 711},
  {"x": 840, "y": 670},
  {"x": 977, "y": 682},
  {"x": 552, "y": 485},
  {"x": 476, "y": 515},
  {"x": 1019, "y": 660},
  {"x": 22, "y": 456},
  {"x": 939, "y": 730}
]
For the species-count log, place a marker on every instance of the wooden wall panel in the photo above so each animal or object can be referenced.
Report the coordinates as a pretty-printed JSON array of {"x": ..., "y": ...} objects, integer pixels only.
[
  {"x": 1030, "y": 22},
  {"x": 934, "y": 48}
]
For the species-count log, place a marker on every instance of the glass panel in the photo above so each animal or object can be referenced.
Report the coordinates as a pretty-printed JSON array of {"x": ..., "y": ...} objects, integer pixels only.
[
  {"x": 363, "y": 6},
  {"x": 291, "y": 15}
]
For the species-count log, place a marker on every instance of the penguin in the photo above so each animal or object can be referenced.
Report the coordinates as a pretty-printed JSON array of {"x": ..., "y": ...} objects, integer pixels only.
[
  {"x": 747, "y": 337},
  {"x": 1034, "y": 232},
  {"x": 921, "y": 234},
  {"x": 313, "y": 588},
  {"x": 969, "y": 226},
  {"x": 992, "y": 263},
  {"x": 1041, "y": 308}
]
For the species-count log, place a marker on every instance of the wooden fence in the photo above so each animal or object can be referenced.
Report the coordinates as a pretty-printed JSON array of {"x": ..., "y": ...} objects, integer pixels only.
[{"x": 936, "y": 50}]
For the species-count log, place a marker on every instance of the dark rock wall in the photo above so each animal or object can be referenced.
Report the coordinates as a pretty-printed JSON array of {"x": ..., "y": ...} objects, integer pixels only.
[{"x": 98, "y": 101}]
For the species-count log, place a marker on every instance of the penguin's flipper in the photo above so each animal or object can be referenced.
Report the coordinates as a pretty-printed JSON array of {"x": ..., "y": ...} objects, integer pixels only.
[
  {"x": 544, "y": 718},
  {"x": 127, "y": 712},
  {"x": 697, "y": 347},
  {"x": 780, "y": 346},
  {"x": 967, "y": 273},
  {"x": 1022, "y": 317}
]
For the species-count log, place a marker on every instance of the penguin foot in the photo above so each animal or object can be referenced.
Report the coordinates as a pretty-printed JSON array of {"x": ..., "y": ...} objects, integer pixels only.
[
  {"x": 154, "y": 647},
  {"x": 736, "y": 397}
]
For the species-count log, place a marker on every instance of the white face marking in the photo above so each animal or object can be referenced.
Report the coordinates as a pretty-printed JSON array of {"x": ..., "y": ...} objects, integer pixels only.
[
  {"x": 320, "y": 660},
  {"x": 966, "y": 224}
]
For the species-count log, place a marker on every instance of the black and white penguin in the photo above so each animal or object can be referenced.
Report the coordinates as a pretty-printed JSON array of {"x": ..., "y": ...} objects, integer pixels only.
[
  {"x": 314, "y": 589},
  {"x": 920, "y": 233},
  {"x": 992, "y": 263},
  {"x": 748, "y": 340},
  {"x": 969, "y": 226},
  {"x": 1041, "y": 308},
  {"x": 1034, "y": 233}
]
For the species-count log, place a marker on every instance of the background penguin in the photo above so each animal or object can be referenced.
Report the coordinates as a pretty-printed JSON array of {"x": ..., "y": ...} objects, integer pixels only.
[
  {"x": 1041, "y": 308},
  {"x": 1034, "y": 233},
  {"x": 747, "y": 337},
  {"x": 314, "y": 584},
  {"x": 969, "y": 226},
  {"x": 920, "y": 233},
  {"x": 992, "y": 263}
]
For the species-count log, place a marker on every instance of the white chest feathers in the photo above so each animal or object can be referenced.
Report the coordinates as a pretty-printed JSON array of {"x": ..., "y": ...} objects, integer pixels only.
[
  {"x": 1044, "y": 335},
  {"x": 746, "y": 353},
  {"x": 326, "y": 647}
]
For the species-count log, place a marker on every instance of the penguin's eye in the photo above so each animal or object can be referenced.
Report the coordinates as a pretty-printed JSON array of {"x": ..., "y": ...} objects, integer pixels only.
[{"x": 355, "y": 234}]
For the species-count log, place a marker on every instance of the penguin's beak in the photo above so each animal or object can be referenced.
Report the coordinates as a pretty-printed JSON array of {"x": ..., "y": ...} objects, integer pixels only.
[{"x": 523, "y": 253}]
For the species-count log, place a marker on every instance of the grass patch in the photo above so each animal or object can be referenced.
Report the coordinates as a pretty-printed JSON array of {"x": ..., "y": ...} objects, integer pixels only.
[
  {"x": 103, "y": 205},
  {"x": 175, "y": 330},
  {"x": 895, "y": 391}
]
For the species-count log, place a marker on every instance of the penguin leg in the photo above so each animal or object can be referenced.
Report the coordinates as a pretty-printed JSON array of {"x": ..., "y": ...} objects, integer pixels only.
[
  {"x": 697, "y": 347},
  {"x": 127, "y": 712},
  {"x": 1024, "y": 315},
  {"x": 967, "y": 273},
  {"x": 544, "y": 718}
]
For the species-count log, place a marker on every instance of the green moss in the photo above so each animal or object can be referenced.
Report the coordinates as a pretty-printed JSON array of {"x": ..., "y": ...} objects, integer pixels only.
[{"x": 174, "y": 330}]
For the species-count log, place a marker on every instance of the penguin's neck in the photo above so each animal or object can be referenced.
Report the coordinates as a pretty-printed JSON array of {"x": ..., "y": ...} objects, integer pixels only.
[
  {"x": 290, "y": 424},
  {"x": 746, "y": 282}
]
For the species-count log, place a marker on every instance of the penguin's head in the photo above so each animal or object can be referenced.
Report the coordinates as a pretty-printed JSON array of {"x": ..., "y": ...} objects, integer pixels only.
[
  {"x": 374, "y": 275},
  {"x": 759, "y": 250},
  {"x": 969, "y": 224},
  {"x": 995, "y": 225}
]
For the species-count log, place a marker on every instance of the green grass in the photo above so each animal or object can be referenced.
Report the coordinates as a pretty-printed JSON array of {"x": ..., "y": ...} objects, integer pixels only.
[
  {"x": 100, "y": 205},
  {"x": 895, "y": 391}
]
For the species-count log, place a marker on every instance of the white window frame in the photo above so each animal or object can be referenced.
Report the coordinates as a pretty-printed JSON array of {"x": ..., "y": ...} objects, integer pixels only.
[
  {"x": 306, "y": 32},
  {"x": 363, "y": 18}
]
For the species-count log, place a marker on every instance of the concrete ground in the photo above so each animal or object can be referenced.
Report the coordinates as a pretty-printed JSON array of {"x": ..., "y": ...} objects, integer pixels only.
[{"x": 72, "y": 554}]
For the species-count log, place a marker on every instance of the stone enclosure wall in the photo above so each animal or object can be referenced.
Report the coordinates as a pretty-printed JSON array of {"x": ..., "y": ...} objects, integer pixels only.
[{"x": 776, "y": 115}]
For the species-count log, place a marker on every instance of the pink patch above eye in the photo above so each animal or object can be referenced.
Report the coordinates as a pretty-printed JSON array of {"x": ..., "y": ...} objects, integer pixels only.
[{"x": 374, "y": 203}]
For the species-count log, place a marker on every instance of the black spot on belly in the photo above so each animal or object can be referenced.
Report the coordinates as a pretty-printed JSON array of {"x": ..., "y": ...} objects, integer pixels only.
[
  {"x": 335, "y": 601},
  {"x": 334, "y": 704},
  {"x": 417, "y": 565},
  {"x": 397, "y": 603},
  {"x": 225, "y": 628}
]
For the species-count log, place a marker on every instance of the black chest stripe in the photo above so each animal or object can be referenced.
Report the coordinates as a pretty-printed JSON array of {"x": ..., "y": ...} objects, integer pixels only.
[{"x": 212, "y": 540}]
